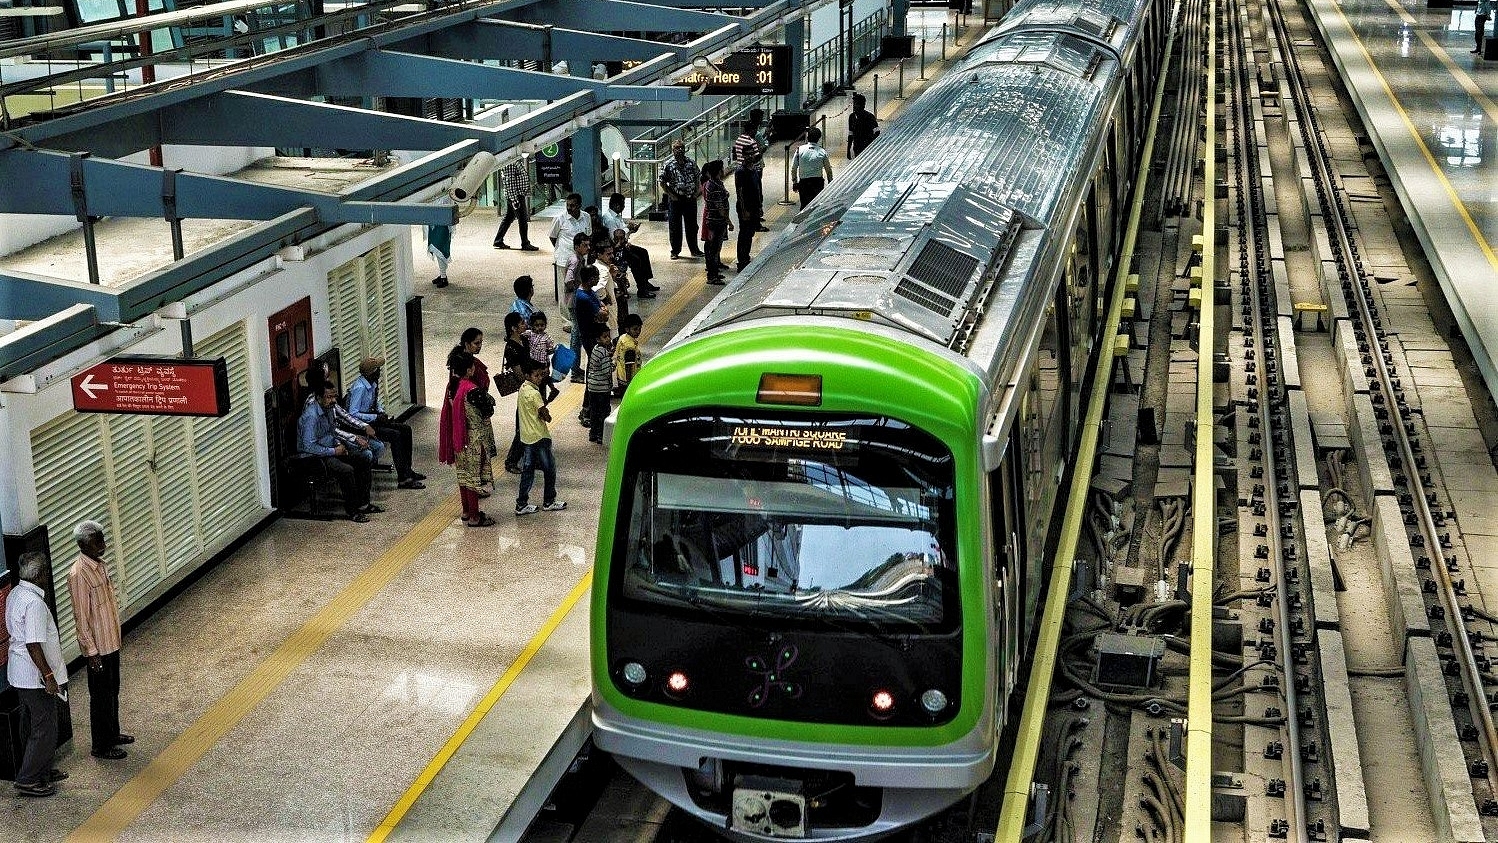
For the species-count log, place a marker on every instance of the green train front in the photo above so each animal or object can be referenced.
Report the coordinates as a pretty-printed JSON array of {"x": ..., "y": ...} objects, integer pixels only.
[{"x": 788, "y": 592}]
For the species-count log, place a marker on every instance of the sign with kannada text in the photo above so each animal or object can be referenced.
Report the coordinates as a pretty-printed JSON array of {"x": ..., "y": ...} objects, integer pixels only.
[
  {"x": 758, "y": 70},
  {"x": 156, "y": 386}
]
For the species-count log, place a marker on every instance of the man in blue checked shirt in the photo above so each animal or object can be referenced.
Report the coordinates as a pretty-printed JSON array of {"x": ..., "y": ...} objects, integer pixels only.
[
  {"x": 364, "y": 404},
  {"x": 317, "y": 437}
]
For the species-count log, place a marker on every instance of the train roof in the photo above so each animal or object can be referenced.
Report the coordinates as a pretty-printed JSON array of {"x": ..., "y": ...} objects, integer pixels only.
[
  {"x": 1112, "y": 22},
  {"x": 907, "y": 235}
]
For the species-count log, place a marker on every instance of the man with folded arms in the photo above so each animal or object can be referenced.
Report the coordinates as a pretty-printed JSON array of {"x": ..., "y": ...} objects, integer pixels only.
[{"x": 96, "y": 611}]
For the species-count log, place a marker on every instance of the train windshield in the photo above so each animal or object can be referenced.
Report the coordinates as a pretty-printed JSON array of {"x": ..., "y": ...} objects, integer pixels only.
[{"x": 843, "y": 522}]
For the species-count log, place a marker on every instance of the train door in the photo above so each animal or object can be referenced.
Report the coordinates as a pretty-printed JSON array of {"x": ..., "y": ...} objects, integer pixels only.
[{"x": 1006, "y": 506}]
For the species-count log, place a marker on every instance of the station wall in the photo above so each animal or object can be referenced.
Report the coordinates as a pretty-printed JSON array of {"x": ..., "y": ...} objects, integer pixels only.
[{"x": 172, "y": 492}]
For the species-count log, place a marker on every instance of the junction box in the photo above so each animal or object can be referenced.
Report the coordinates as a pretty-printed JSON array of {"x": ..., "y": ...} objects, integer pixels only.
[{"x": 1127, "y": 661}]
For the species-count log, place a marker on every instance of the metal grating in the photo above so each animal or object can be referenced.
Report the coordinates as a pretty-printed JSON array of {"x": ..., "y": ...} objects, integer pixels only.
[
  {"x": 925, "y": 297},
  {"x": 868, "y": 242},
  {"x": 944, "y": 268}
]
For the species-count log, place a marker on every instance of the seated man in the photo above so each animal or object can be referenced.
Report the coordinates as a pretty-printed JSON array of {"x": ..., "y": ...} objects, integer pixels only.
[
  {"x": 365, "y": 407},
  {"x": 357, "y": 436},
  {"x": 317, "y": 437},
  {"x": 635, "y": 256}
]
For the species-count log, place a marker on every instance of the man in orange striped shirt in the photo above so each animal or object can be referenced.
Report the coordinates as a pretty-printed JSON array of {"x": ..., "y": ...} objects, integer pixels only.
[{"x": 97, "y": 613}]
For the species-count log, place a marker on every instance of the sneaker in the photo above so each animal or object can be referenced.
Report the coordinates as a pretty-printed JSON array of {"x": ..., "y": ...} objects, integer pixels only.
[
  {"x": 440, "y": 281},
  {"x": 528, "y": 509},
  {"x": 554, "y": 506},
  {"x": 38, "y": 789}
]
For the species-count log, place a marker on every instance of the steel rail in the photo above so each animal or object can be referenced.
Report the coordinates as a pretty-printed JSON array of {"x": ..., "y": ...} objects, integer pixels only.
[
  {"x": 1197, "y": 826},
  {"x": 1349, "y": 265},
  {"x": 1021, "y": 776},
  {"x": 1255, "y": 264}
]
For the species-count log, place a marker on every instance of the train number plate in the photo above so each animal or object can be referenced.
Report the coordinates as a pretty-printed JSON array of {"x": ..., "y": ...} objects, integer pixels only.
[{"x": 770, "y": 813}]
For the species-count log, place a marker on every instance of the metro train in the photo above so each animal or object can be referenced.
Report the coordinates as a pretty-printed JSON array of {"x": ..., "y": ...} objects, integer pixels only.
[{"x": 829, "y": 499}]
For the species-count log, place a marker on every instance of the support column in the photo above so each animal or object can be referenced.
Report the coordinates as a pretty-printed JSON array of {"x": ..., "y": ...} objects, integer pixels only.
[
  {"x": 795, "y": 36},
  {"x": 585, "y": 171}
]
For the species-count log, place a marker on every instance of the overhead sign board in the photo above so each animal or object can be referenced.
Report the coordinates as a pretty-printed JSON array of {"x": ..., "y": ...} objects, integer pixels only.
[
  {"x": 554, "y": 164},
  {"x": 156, "y": 386},
  {"x": 757, "y": 70}
]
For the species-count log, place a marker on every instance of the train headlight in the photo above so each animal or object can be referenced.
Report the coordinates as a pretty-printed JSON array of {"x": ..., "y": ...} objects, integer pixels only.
[
  {"x": 934, "y": 701},
  {"x": 882, "y": 705},
  {"x": 677, "y": 683},
  {"x": 634, "y": 673}
]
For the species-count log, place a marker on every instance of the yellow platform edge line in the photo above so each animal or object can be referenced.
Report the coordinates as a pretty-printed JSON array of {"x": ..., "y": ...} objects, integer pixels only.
[
  {"x": 168, "y": 767},
  {"x": 1430, "y": 160},
  {"x": 425, "y": 779},
  {"x": 1026, "y": 753}
]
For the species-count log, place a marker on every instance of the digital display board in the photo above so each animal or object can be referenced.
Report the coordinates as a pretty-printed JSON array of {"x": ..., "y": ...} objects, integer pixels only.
[{"x": 758, "y": 70}]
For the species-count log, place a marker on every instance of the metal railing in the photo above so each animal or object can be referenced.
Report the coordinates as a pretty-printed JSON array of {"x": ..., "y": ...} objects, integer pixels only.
[
  {"x": 708, "y": 135},
  {"x": 825, "y": 63}
]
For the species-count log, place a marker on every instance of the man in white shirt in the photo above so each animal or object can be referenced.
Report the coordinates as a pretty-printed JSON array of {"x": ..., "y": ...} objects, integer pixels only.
[
  {"x": 566, "y": 226},
  {"x": 35, "y": 668},
  {"x": 810, "y": 166},
  {"x": 636, "y": 257}
]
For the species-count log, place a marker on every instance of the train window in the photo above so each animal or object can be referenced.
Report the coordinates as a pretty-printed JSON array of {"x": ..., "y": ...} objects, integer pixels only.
[
  {"x": 299, "y": 331},
  {"x": 824, "y": 520}
]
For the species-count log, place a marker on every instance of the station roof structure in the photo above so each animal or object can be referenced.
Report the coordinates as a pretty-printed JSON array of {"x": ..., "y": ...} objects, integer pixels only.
[{"x": 68, "y": 161}]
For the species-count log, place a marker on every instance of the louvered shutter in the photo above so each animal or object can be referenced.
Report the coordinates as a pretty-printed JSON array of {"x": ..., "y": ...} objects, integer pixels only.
[
  {"x": 385, "y": 288},
  {"x": 132, "y": 496},
  {"x": 346, "y": 314},
  {"x": 71, "y": 486},
  {"x": 223, "y": 450},
  {"x": 367, "y": 313},
  {"x": 173, "y": 469}
]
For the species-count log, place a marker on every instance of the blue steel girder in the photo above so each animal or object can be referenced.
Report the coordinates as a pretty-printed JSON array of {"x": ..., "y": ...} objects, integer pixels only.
[
  {"x": 248, "y": 118},
  {"x": 44, "y": 341},
  {"x": 38, "y": 182},
  {"x": 27, "y": 296},
  {"x": 620, "y": 16},
  {"x": 387, "y": 73},
  {"x": 503, "y": 39}
]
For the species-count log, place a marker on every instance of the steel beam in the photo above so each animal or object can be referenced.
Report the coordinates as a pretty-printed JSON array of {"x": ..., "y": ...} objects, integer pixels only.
[
  {"x": 621, "y": 16},
  {"x": 24, "y": 295},
  {"x": 246, "y": 118},
  {"x": 35, "y": 179},
  {"x": 42, "y": 342},
  {"x": 490, "y": 38},
  {"x": 397, "y": 74}
]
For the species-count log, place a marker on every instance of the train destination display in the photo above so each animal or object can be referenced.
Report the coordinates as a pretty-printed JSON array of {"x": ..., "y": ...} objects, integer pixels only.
[{"x": 758, "y": 70}]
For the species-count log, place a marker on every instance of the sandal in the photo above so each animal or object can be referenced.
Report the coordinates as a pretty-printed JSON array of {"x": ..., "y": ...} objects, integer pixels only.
[
  {"x": 484, "y": 521},
  {"x": 39, "y": 789},
  {"x": 483, "y": 493}
]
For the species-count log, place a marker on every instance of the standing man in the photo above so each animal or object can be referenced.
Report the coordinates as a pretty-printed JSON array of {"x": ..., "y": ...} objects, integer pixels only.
[
  {"x": 97, "y": 614},
  {"x": 749, "y": 171},
  {"x": 863, "y": 127},
  {"x": 364, "y": 404},
  {"x": 810, "y": 166},
  {"x": 681, "y": 180},
  {"x": 35, "y": 668},
  {"x": 1484, "y": 14},
  {"x": 564, "y": 229},
  {"x": 515, "y": 178}
]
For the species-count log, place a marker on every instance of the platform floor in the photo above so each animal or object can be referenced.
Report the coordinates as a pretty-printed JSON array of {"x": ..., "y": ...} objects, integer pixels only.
[
  {"x": 1429, "y": 106},
  {"x": 338, "y": 681}
]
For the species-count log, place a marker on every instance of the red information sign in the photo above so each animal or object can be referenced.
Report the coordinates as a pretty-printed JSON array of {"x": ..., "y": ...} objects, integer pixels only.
[{"x": 157, "y": 386}]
